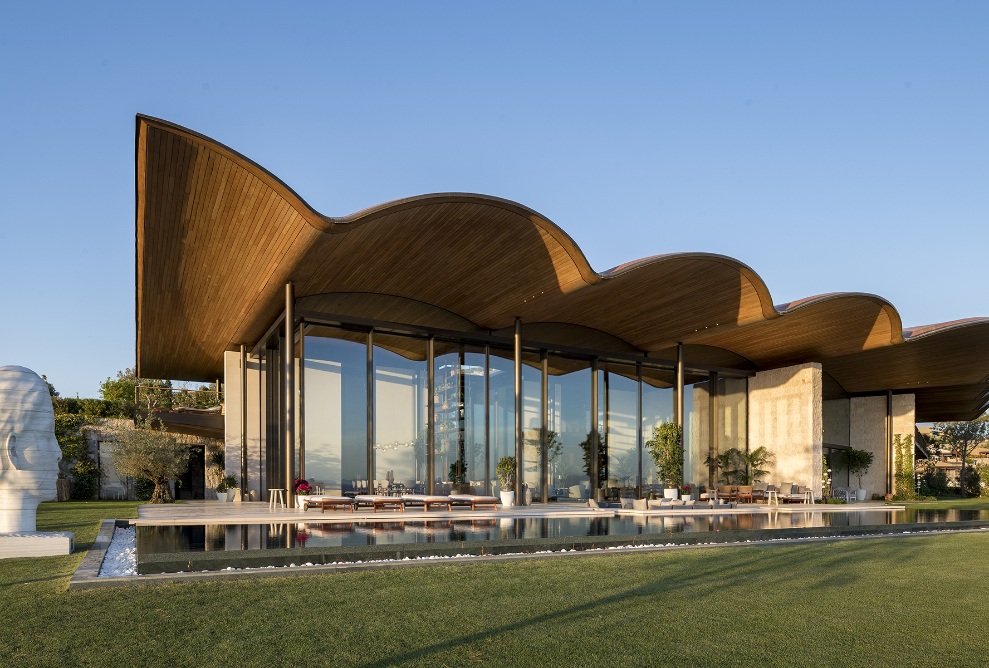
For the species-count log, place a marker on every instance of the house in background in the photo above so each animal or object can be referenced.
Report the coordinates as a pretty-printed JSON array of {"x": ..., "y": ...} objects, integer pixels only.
[{"x": 420, "y": 341}]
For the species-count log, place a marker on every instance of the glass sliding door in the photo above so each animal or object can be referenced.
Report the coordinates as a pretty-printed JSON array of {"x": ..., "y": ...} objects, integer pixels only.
[
  {"x": 401, "y": 404},
  {"x": 458, "y": 407},
  {"x": 335, "y": 368},
  {"x": 501, "y": 408},
  {"x": 621, "y": 420},
  {"x": 569, "y": 428},
  {"x": 532, "y": 422},
  {"x": 658, "y": 389},
  {"x": 696, "y": 432}
]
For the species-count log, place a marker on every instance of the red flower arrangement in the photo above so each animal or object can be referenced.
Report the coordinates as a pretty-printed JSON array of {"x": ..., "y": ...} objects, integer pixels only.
[{"x": 301, "y": 486}]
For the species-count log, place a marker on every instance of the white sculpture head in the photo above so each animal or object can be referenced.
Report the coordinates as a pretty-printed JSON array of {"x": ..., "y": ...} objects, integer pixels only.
[{"x": 29, "y": 453}]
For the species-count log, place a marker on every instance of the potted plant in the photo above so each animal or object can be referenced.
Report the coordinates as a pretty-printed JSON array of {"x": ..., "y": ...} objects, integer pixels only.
[
  {"x": 686, "y": 492},
  {"x": 666, "y": 448},
  {"x": 233, "y": 492},
  {"x": 301, "y": 487},
  {"x": 221, "y": 490},
  {"x": 858, "y": 463},
  {"x": 506, "y": 479}
]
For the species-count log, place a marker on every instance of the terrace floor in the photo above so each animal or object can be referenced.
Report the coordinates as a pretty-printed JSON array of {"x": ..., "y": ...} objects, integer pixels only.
[{"x": 214, "y": 512}]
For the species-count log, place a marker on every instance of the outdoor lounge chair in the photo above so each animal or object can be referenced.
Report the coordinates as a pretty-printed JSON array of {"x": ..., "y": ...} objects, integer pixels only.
[
  {"x": 427, "y": 500},
  {"x": 378, "y": 501},
  {"x": 475, "y": 500},
  {"x": 844, "y": 493},
  {"x": 745, "y": 494},
  {"x": 726, "y": 492},
  {"x": 333, "y": 502}
]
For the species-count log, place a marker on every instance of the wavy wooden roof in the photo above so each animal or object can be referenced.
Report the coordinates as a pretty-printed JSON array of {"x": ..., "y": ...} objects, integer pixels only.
[{"x": 218, "y": 237}]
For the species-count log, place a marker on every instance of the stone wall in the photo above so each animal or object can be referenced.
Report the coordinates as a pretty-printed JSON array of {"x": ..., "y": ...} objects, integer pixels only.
[
  {"x": 786, "y": 416},
  {"x": 868, "y": 432}
]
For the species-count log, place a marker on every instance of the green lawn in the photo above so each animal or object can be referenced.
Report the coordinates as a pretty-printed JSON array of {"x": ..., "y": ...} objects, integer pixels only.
[{"x": 876, "y": 602}]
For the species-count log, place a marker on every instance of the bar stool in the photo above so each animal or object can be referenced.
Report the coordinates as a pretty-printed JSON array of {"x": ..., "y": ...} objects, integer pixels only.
[{"x": 275, "y": 497}]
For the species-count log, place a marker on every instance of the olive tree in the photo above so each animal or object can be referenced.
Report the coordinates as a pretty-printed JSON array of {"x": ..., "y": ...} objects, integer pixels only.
[{"x": 148, "y": 451}]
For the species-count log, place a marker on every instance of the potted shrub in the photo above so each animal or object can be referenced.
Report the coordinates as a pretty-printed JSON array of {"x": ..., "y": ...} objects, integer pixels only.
[
  {"x": 506, "y": 479},
  {"x": 233, "y": 491},
  {"x": 221, "y": 490},
  {"x": 666, "y": 448},
  {"x": 858, "y": 462}
]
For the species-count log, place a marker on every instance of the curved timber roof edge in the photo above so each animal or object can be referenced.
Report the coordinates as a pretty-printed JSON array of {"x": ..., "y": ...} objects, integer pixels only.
[{"x": 217, "y": 237}]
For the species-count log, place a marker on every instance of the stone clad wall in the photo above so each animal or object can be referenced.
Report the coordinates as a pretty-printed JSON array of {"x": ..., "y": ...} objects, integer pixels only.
[
  {"x": 786, "y": 416},
  {"x": 868, "y": 432}
]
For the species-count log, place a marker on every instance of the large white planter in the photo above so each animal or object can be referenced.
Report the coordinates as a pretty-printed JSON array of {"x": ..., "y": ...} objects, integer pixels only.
[
  {"x": 507, "y": 498},
  {"x": 221, "y": 497},
  {"x": 860, "y": 494},
  {"x": 671, "y": 493}
]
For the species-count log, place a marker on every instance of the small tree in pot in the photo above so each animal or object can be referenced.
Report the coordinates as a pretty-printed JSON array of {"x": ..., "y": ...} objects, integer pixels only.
[
  {"x": 506, "y": 478},
  {"x": 858, "y": 463},
  {"x": 666, "y": 448}
]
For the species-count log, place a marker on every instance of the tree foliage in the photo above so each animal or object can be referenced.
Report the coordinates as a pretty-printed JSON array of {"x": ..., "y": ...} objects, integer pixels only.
[
  {"x": 858, "y": 462},
  {"x": 961, "y": 439},
  {"x": 148, "y": 451},
  {"x": 736, "y": 467},
  {"x": 666, "y": 448}
]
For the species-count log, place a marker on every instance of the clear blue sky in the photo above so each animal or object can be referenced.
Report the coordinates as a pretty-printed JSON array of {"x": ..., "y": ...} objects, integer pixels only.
[{"x": 832, "y": 146}]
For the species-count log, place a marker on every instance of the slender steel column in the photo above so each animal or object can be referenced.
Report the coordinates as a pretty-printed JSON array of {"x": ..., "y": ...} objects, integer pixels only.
[
  {"x": 302, "y": 400},
  {"x": 288, "y": 371},
  {"x": 431, "y": 413},
  {"x": 544, "y": 427},
  {"x": 678, "y": 398},
  {"x": 487, "y": 420},
  {"x": 243, "y": 421},
  {"x": 594, "y": 472},
  {"x": 370, "y": 411},
  {"x": 889, "y": 441},
  {"x": 638, "y": 427},
  {"x": 712, "y": 447},
  {"x": 519, "y": 443}
]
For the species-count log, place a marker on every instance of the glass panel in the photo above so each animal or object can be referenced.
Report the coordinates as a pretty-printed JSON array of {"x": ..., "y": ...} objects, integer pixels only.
[
  {"x": 501, "y": 404},
  {"x": 458, "y": 404},
  {"x": 658, "y": 388},
  {"x": 569, "y": 418},
  {"x": 732, "y": 414},
  {"x": 621, "y": 434},
  {"x": 400, "y": 413},
  {"x": 696, "y": 433},
  {"x": 336, "y": 410},
  {"x": 532, "y": 421}
]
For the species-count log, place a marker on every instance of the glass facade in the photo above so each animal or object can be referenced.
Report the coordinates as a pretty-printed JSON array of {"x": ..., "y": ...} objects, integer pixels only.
[
  {"x": 568, "y": 413},
  {"x": 658, "y": 395},
  {"x": 389, "y": 412},
  {"x": 621, "y": 444},
  {"x": 401, "y": 403},
  {"x": 336, "y": 411},
  {"x": 458, "y": 409}
]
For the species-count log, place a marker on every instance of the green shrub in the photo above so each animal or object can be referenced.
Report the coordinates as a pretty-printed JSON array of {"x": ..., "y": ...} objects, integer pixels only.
[
  {"x": 904, "y": 481},
  {"x": 85, "y": 479},
  {"x": 143, "y": 489}
]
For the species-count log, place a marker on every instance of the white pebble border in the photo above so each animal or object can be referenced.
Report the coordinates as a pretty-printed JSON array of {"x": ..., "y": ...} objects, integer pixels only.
[{"x": 121, "y": 556}]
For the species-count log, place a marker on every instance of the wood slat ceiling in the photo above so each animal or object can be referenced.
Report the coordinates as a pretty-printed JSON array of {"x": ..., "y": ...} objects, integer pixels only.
[{"x": 218, "y": 237}]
